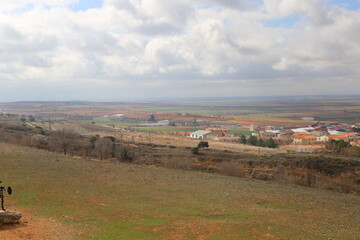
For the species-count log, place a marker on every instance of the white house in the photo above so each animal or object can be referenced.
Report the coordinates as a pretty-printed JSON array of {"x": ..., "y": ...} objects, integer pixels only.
[{"x": 202, "y": 134}]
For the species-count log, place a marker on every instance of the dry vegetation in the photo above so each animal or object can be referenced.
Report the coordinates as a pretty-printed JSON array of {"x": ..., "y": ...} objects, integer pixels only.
[
  {"x": 84, "y": 199},
  {"x": 338, "y": 173}
]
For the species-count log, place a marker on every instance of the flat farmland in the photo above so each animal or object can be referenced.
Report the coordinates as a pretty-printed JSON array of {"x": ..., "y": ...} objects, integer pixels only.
[{"x": 272, "y": 111}]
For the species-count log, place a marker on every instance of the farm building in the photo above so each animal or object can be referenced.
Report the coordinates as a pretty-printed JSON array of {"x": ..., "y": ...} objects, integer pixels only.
[
  {"x": 308, "y": 118},
  {"x": 304, "y": 148},
  {"x": 202, "y": 134},
  {"x": 220, "y": 131},
  {"x": 305, "y": 139},
  {"x": 229, "y": 139}
]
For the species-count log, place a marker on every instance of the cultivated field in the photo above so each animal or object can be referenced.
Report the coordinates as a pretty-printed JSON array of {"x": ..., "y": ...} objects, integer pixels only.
[
  {"x": 71, "y": 198},
  {"x": 272, "y": 111}
]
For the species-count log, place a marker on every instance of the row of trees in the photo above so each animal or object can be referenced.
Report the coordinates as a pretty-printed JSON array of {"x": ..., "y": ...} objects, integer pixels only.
[
  {"x": 254, "y": 141},
  {"x": 66, "y": 140}
]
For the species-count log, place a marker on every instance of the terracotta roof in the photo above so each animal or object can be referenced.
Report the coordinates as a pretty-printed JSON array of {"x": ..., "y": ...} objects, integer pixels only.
[
  {"x": 305, "y": 137},
  {"x": 337, "y": 136},
  {"x": 301, "y": 133}
]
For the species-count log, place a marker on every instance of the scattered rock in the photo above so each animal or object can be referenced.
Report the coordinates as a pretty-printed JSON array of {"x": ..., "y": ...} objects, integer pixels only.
[{"x": 9, "y": 217}]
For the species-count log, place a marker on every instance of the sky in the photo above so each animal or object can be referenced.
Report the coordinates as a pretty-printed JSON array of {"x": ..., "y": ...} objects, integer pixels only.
[{"x": 113, "y": 50}]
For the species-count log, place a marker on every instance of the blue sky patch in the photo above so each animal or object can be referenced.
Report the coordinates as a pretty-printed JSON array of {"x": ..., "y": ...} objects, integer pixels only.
[
  {"x": 286, "y": 22},
  {"x": 347, "y": 4},
  {"x": 83, "y": 5}
]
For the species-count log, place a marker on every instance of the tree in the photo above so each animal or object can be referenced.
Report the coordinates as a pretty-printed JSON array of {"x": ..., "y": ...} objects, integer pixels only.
[
  {"x": 270, "y": 143},
  {"x": 261, "y": 143},
  {"x": 64, "y": 139},
  {"x": 93, "y": 140},
  {"x": 203, "y": 144},
  {"x": 103, "y": 147},
  {"x": 356, "y": 129},
  {"x": 152, "y": 118},
  {"x": 113, "y": 140},
  {"x": 195, "y": 150},
  {"x": 243, "y": 139},
  {"x": 252, "y": 140},
  {"x": 31, "y": 118},
  {"x": 337, "y": 145},
  {"x": 39, "y": 141},
  {"x": 124, "y": 154}
]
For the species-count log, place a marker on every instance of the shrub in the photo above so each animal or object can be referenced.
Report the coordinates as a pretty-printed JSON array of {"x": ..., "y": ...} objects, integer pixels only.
[
  {"x": 124, "y": 154},
  {"x": 177, "y": 163},
  {"x": 231, "y": 168},
  {"x": 203, "y": 144},
  {"x": 195, "y": 150}
]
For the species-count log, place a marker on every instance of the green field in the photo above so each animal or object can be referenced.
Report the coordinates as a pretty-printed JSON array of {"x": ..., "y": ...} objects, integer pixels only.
[
  {"x": 104, "y": 122},
  {"x": 152, "y": 129},
  {"x": 243, "y": 132},
  {"x": 98, "y": 200}
]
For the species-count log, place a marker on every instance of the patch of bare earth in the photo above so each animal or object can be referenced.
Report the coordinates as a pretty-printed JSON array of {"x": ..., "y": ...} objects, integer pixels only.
[{"x": 37, "y": 228}]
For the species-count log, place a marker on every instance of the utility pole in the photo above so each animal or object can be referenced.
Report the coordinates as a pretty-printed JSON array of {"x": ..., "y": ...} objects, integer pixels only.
[{"x": 50, "y": 125}]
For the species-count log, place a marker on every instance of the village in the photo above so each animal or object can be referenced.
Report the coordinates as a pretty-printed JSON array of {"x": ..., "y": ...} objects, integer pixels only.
[
  {"x": 311, "y": 138},
  {"x": 305, "y": 139}
]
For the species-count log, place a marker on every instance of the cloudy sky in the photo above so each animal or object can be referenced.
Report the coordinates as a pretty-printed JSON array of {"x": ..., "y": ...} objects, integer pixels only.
[{"x": 134, "y": 49}]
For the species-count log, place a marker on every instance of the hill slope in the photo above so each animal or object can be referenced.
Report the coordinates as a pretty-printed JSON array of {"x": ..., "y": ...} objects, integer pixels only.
[{"x": 96, "y": 200}]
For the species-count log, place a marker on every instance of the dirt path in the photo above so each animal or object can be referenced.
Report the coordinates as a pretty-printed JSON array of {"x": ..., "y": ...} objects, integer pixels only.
[{"x": 37, "y": 228}]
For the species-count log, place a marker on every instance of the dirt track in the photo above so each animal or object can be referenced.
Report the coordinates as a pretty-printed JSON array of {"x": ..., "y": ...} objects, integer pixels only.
[{"x": 34, "y": 227}]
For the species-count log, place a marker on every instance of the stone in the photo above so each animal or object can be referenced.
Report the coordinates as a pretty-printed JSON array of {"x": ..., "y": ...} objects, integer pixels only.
[{"x": 9, "y": 217}]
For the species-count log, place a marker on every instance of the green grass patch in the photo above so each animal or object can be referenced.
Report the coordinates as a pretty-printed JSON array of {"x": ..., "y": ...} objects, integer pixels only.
[
  {"x": 151, "y": 129},
  {"x": 104, "y": 122},
  {"x": 243, "y": 132},
  {"x": 123, "y": 201}
]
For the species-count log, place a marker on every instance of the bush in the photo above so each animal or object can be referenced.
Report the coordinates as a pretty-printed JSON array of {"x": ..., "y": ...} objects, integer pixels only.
[
  {"x": 203, "y": 144},
  {"x": 124, "y": 154},
  {"x": 231, "y": 168},
  {"x": 176, "y": 163},
  {"x": 195, "y": 150}
]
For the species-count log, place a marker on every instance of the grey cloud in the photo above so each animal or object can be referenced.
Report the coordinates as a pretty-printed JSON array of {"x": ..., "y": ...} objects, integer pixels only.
[
  {"x": 134, "y": 44},
  {"x": 10, "y": 33},
  {"x": 163, "y": 28}
]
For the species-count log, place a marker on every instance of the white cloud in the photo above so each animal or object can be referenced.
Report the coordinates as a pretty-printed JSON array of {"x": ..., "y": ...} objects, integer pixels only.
[{"x": 136, "y": 42}]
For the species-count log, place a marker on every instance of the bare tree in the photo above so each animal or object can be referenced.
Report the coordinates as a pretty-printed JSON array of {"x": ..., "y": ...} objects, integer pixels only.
[
  {"x": 124, "y": 154},
  {"x": 39, "y": 141},
  {"x": 103, "y": 146},
  {"x": 64, "y": 139}
]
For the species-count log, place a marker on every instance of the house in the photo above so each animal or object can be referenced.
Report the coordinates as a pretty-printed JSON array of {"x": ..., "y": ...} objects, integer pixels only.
[
  {"x": 304, "y": 139},
  {"x": 344, "y": 136},
  {"x": 229, "y": 139},
  {"x": 304, "y": 148},
  {"x": 202, "y": 134},
  {"x": 308, "y": 118},
  {"x": 220, "y": 131},
  {"x": 267, "y": 135},
  {"x": 306, "y": 129}
]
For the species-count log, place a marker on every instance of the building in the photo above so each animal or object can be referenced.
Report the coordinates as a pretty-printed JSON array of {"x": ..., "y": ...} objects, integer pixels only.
[
  {"x": 306, "y": 130},
  {"x": 202, "y": 134},
  {"x": 220, "y": 131},
  {"x": 156, "y": 124},
  {"x": 229, "y": 139},
  {"x": 304, "y": 139},
  {"x": 304, "y": 148},
  {"x": 308, "y": 118}
]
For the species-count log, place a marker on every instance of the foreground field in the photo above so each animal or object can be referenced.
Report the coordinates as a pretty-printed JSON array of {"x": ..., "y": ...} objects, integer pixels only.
[{"x": 82, "y": 199}]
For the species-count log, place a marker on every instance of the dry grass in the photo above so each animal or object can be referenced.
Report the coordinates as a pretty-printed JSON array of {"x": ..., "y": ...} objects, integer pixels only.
[{"x": 124, "y": 201}]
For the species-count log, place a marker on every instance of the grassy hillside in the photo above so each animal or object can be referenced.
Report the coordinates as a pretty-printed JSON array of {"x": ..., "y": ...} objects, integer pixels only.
[{"x": 119, "y": 201}]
